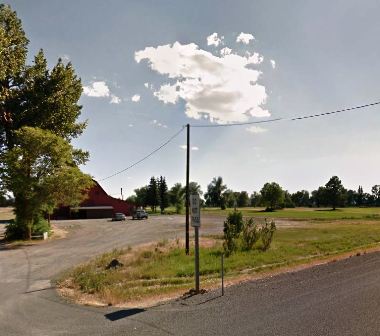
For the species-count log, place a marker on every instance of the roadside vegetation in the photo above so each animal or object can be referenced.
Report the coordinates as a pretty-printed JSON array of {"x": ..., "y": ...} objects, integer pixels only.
[{"x": 163, "y": 270}]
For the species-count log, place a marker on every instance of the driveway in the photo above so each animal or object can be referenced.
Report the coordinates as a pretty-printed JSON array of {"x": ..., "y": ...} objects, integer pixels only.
[{"x": 335, "y": 299}]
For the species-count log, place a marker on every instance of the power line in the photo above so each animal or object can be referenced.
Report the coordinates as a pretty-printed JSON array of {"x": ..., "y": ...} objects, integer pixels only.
[
  {"x": 145, "y": 157},
  {"x": 242, "y": 124},
  {"x": 293, "y": 118}
]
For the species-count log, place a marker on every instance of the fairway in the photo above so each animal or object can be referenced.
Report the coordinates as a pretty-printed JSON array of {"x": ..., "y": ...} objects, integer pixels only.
[{"x": 304, "y": 213}]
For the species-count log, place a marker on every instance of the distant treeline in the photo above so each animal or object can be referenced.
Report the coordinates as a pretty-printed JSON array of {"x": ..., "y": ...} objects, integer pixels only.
[{"x": 272, "y": 196}]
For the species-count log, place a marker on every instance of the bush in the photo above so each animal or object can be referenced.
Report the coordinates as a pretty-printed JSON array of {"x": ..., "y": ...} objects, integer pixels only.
[
  {"x": 266, "y": 233},
  {"x": 250, "y": 234},
  {"x": 13, "y": 231},
  {"x": 232, "y": 229},
  {"x": 40, "y": 225}
]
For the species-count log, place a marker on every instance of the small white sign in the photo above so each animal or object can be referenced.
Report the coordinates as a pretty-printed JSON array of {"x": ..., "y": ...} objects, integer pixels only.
[{"x": 195, "y": 211}]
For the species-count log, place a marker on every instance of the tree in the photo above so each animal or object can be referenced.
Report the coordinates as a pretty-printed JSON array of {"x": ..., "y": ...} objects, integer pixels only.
[
  {"x": 243, "y": 199},
  {"x": 176, "y": 197},
  {"x": 195, "y": 189},
  {"x": 141, "y": 196},
  {"x": 255, "y": 199},
  {"x": 376, "y": 194},
  {"x": 34, "y": 96},
  {"x": 153, "y": 194},
  {"x": 164, "y": 196},
  {"x": 287, "y": 202},
  {"x": 272, "y": 195},
  {"x": 301, "y": 198},
  {"x": 42, "y": 172},
  {"x": 334, "y": 191},
  {"x": 214, "y": 192},
  {"x": 229, "y": 199},
  {"x": 360, "y": 196}
]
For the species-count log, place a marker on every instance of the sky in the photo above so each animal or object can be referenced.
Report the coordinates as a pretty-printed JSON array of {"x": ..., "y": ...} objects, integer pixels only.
[{"x": 150, "y": 67}]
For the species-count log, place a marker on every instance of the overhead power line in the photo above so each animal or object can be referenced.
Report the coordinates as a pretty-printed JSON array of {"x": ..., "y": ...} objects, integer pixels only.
[
  {"x": 146, "y": 156},
  {"x": 291, "y": 119},
  {"x": 241, "y": 124}
]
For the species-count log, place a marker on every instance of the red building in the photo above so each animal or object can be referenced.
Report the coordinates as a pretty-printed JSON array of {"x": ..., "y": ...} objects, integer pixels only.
[{"x": 98, "y": 205}]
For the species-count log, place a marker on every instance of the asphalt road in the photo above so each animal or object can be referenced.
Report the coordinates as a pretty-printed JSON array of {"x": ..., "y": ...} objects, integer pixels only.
[{"x": 340, "y": 298}]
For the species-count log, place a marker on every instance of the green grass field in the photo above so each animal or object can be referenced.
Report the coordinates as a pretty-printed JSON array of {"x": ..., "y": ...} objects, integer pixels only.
[
  {"x": 304, "y": 213},
  {"x": 164, "y": 268}
]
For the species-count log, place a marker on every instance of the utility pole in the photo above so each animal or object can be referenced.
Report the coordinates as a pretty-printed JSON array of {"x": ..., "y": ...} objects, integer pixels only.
[{"x": 187, "y": 190}]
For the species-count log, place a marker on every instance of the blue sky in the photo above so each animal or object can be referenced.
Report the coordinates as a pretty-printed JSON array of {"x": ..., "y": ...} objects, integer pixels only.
[{"x": 148, "y": 68}]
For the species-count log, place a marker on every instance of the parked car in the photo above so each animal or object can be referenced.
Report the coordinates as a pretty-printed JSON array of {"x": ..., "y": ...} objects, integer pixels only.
[
  {"x": 140, "y": 214},
  {"x": 119, "y": 217}
]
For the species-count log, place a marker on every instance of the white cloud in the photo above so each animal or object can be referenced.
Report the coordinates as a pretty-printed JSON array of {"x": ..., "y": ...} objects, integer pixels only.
[
  {"x": 193, "y": 148},
  {"x": 136, "y": 98},
  {"x": 146, "y": 85},
  {"x": 255, "y": 58},
  {"x": 115, "y": 99},
  {"x": 256, "y": 129},
  {"x": 225, "y": 51},
  {"x": 97, "y": 89},
  {"x": 158, "y": 124},
  {"x": 214, "y": 39},
  {"x": 244, "y": 38},
  {"x": 130, "y": 125},
  {"x": 273, "y": 63},
  {"x": 224, "y": 88}
]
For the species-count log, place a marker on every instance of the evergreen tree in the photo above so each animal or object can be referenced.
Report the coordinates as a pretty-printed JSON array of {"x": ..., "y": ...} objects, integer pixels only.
[
  {"x": 153, "y": 194},
  {"x": 164, "y": 195}
]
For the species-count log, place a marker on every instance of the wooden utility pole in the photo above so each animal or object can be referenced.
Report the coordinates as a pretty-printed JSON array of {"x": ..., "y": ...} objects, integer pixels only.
[{"x": 187, "y": 190}]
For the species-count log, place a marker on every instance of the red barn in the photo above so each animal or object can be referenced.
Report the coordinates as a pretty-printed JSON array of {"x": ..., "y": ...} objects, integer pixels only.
[{"x": 98, "y": 205}]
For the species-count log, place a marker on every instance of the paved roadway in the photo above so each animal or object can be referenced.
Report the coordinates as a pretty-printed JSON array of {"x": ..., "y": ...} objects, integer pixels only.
[{"x": 340, "y": 298}]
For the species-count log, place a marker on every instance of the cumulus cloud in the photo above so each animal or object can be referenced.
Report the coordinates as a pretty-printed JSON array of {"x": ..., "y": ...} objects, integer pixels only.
[
  {"x": 97, "y": 89},
  {"x": 100, "y": 89},
  {"x": 146, "y": 85},
  {"x": 225, "y": 51},
  {"x": 273, "y": 63},
  {"x": 214, "y": 39},
  {"x": 193, "y": 148},
  {"x": 244, "y": 38},
  {"x": 256, "y": 129},
  {"x": 136, "y": 98},
  {"x": 115, "y": 99},
  {"x": 223, "y": 88}
]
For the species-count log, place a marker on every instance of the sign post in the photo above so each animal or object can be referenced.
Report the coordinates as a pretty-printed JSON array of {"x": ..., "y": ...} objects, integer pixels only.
[{"x": 196, "y": 223}]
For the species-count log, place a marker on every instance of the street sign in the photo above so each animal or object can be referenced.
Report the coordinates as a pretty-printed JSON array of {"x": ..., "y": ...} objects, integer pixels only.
[{"x": 195, "y": 210}]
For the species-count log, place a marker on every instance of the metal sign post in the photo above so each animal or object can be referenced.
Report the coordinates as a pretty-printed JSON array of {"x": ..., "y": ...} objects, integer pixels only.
[{"x": 196, "y": 223}]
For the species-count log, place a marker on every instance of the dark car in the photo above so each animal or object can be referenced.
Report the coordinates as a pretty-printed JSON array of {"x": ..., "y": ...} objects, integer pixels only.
[
  {"x": 140, "y": 214},
  {"x": 119, "y": 217}
]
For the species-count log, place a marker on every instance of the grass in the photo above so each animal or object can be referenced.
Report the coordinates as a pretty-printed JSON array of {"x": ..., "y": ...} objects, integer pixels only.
[
  {"x": 304, "y": 213},
  {"x": 163, "y": 268}
]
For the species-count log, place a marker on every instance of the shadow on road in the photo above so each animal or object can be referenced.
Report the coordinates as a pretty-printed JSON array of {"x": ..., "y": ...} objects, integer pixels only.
[{"x": 120, "y": 314}]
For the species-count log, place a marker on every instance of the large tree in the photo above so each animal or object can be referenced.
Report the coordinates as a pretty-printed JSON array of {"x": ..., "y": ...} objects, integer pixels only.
[
  {"x": 214, "y": 192},
  {"x": 34, "y": 96},
  {"x": 153, "y": 196},
  {"x": 176, "y": 197},
  {"x": 164, "y": 195},
  {"x": 272, "y": 195},
  {"x": 334, "y": 191},
  {"x": 41, "y": 170}
]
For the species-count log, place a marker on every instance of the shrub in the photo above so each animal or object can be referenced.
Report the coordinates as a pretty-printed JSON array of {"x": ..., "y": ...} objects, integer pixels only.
[
  {"x": 250, "y": 234},
  {"x": 13, "y": 231},
  {"x": 266, "y": 233},
  {"x": 232, "y": 229}
]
